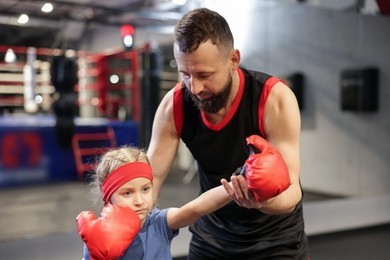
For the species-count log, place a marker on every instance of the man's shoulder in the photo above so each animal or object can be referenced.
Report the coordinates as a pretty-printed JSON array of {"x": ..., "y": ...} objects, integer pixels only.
[{"x": 256, "y": 75}]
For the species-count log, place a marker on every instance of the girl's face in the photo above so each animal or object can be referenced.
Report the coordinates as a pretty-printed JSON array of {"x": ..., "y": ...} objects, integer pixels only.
[{"x": 136, "y": 194}]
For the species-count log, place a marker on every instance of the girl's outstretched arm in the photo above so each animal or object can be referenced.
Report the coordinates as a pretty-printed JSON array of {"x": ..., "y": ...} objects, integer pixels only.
[{"x": 206, "y": 203}]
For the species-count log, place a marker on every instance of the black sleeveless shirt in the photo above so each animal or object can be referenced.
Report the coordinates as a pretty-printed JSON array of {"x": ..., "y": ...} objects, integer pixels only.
[{"x": 219, "y": 150}]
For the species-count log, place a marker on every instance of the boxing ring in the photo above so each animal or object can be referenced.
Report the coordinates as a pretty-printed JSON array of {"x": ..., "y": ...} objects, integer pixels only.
[{"x": 30, "y": 152}]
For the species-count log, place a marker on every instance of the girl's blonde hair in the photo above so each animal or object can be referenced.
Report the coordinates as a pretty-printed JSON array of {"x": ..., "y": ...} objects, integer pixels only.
[{"x": 112, "y": 160}]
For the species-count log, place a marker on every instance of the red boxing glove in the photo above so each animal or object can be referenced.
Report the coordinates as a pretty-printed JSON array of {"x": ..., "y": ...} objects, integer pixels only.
[
  {"x": 110, "y": 235},
  {"x": 266, "y": 172}
]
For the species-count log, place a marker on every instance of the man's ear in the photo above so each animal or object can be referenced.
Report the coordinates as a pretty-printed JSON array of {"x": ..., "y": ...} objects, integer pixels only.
[{"x": 235, "y": 58}]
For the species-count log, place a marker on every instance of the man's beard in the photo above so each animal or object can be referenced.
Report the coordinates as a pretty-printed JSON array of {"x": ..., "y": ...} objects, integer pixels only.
[{"x": 215, "y": 102}]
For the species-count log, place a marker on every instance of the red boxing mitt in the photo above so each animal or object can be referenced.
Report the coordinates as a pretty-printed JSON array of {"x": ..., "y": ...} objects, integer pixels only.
[
  {"x": 266, "y": 172},
  {"x": 110, "y": 235}
]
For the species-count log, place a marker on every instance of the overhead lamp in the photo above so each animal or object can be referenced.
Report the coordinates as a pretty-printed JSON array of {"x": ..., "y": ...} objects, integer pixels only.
[
  {"x": 127, "y": 32},
  {"x": 23, "y": 18},
  {"x": 10, "y": 56},
  {"x": 128, "y": 41},
  {"x": 114, "y": 79},
  {"x": 38, "y": 99},
  {"x": 47, "y": 8}
]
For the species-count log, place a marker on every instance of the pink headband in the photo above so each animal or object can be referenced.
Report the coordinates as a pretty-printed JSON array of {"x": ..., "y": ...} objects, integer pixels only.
[{"x": 124, "y": 174}]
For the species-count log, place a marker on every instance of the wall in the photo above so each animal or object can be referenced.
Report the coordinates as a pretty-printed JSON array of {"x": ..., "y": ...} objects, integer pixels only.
[{"x": 342, "y": 153}]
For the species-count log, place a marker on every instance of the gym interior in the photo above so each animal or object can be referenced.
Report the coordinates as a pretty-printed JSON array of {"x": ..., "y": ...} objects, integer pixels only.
[{"x": 82, "y": 76}]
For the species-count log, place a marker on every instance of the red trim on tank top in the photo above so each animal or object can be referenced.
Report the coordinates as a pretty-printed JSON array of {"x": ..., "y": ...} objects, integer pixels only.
[
  {"x": 268, "y": 85},
  {"x": 178, "y": 108},
  {"x": 233, "y": 109}
]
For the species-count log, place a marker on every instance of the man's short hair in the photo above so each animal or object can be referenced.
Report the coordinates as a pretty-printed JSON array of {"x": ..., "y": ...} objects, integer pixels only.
[{"x": 200, "y": 25}]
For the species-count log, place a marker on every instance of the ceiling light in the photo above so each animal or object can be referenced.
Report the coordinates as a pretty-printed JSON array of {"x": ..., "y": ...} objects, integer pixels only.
[
  {"x": 10, "y": 56},
  {"x": 47, "y": 8},
  {"x": 38, "y": 99},
  {"x": 128, "y": 41},
  {"x": 114, "y": 79},
  {"x": 23, "y": 18},
  {"x": 127, "y": 32}
]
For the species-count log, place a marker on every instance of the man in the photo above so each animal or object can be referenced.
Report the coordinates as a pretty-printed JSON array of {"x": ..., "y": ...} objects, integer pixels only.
[{"x": 213, "y": 110}]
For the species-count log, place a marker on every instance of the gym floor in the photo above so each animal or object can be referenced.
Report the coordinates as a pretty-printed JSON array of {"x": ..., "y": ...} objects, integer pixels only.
[{"x": 37, "y": 223}]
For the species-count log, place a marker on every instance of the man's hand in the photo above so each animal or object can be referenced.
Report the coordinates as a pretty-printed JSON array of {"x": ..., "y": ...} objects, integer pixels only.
[
  {"x": 266, "y": 175},
  {"x": 239, "y": 192},
  {"x": 266, "y": 172}
]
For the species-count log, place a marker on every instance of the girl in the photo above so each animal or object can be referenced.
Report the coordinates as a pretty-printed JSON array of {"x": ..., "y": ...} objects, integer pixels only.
[{"x": 130, "y": 226}]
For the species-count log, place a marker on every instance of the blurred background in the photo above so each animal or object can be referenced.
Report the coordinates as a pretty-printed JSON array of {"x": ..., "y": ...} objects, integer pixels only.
[{"x": 78, "y": 77}]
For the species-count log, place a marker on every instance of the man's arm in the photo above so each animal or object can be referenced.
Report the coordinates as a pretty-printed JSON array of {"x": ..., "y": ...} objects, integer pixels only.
[
  {"x": 282, "y": 125},
  {"x": 163, "y": 143}
]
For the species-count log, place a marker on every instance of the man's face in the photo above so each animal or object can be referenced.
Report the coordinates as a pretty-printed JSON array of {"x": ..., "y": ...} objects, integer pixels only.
[
  {"x": 216, "y": 101},
  {"x": 207, "y": 75}
]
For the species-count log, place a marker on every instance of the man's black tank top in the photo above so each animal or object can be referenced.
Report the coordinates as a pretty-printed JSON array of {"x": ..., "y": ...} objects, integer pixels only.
[{"x": 218, "y": 154}]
